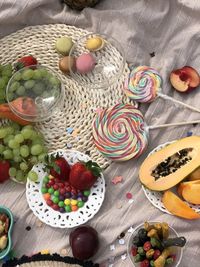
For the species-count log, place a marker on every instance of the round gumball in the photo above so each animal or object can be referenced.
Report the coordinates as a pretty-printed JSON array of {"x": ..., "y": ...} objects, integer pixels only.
[
  {"x": 67, "y": 63},
  {"x": 85, "y": 63},
  {"x": 63, "y": 45}
]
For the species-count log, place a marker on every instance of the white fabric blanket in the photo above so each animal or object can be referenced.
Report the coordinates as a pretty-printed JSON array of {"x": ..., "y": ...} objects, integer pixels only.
[{"x": 170, "y": 29}]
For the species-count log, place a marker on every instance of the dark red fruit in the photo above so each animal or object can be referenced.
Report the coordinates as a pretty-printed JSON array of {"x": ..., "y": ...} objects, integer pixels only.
[
  {"x": 49, "y": 202},
  {"x": 4, "y": 170},
  {"x": 55, "y": 187},
  {"x": 25, "y": 62},
  {"x": 84, "y": 242},
  {"x": 147, "y": 246},
  {"x": 48, "y": 185},
  {"x": 68, "y": 188},
  {"x": 55, "y": 207},
  {"x": 134, "y": 251},
  {"x": 156, "y": 254},
  {"x": 84, "y": 174},
  {"x": 51, "y": 182},
  {"x": 144, "y": 263},
  {"x": 59, "y": 168},
  {"x": 61, "y": 185},
  {"x": 62, "y": 191}
]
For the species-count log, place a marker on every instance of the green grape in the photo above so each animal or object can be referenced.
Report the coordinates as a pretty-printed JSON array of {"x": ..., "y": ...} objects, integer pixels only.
[
  {"x": 26, "y": 133},
  {"x": 13, "y": 144},
  {"x": 33, "y": 176},
  {"x": 14, "y": 86},
  {"x": 39, "y": 88},
  {"x": 43, "y": 72},
  {"x": 24, "y": 151},
  {"x": 34, "y": 135},
  {"x": 20, "y": 175},
  {"x": 17, "y": 76},
  {"x": 41, "y": 157},
  {"x": 8, "y": 154},
  {"x": 27, "y": 74},
  {"x": 54, "y": 81},
  {"x": 2, "y": 147},
  {"x": 33, "y": 160},
  {"x": 12, "y": 172},
  {"x": 29, "y": 84},
  {"x": 20, "y": 91},
  {"x": 16, "y": 152},
  {"x": 36, "y": 150},
  {"x": 19, "y": 138},
  {"x": 15, "y": 126},
  {"x": 23, "y": 166},
  {"x": 17, "y": 159},
  {"x": 3, "y": 132},
  {"x": 37, "y": 75},
  {"x": 6, "y": 79},
  {"x": 10, "y": 130},
  {"x": 8, "y": 138},
  {"x": 28, "y": 127},
  {"x": 2, "y": 83},
  {"x": 11, "y": 96},
  {"x": 37, "y": 141},
  {"x": 7, "y": 70}
]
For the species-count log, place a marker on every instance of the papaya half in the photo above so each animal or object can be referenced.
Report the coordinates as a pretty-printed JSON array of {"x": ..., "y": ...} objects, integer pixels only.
[
  {"x": 178, "y": 207},
  {"x": 170, "y": 165}
]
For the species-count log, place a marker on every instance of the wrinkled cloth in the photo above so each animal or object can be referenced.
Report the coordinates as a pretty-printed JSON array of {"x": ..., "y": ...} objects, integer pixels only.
[{"x": 169, "y": 29}]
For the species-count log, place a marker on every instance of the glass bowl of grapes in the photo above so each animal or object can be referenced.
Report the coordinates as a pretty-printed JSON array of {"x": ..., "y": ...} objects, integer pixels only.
[
  {"x": 155, "y": 244},
  {"x": 34, "y": 93}
]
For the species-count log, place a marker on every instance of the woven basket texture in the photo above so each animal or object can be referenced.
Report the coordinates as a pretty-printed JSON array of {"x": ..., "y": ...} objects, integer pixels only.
[
  {"x": 47, "y": 264},
  {"x": 80, "y": 103}
]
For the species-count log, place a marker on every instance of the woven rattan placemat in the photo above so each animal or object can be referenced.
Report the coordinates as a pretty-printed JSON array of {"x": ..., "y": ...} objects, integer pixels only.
[{"x": 81, "y": 103}]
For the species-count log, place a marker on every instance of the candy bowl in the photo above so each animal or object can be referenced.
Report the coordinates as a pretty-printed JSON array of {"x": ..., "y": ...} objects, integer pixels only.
[
  {"x": 63, "y": 217},
  {"x": 168, "y": 248},
  {"x": 100, "y": 61},
  {"x": 6, "y": 250},
  {"x": 34, "y": 93}
]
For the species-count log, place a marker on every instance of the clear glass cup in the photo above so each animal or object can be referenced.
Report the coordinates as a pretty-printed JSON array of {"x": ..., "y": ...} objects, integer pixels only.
[
  {"x": 178, "y": 251},
  {"x": 34, "y": 93},
  {"x": 109, "y": 66}
]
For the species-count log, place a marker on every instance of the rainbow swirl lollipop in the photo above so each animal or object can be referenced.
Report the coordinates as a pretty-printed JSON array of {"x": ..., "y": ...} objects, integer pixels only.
[
  {"x": 143, "y": 84},
  {"x": 119, "y": 132}
]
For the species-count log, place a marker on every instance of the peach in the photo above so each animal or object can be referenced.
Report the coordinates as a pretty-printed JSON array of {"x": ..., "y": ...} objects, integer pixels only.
[{"x": 185, "y": 79}]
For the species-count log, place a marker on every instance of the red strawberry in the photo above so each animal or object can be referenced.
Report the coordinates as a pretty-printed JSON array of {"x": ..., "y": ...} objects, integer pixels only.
[
  {"x": 60, "y": 169},
  {"x": 4, "y": 170},
  {"x": 84, "y": 174},
  {"x": 25, "y": 62}
]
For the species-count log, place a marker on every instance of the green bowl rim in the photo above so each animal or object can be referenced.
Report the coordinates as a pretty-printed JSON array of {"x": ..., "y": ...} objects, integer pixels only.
[{"x": 5, "y": 252}]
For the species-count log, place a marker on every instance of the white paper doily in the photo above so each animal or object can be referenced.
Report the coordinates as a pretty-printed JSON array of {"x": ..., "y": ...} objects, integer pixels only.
[
  {"x": 155, "y": 197},
  {"x": 64, "y": 220}
]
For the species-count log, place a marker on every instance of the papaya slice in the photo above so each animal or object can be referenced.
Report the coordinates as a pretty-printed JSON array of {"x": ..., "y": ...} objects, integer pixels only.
[
  {"x": 182, "y": 186},
  {"x": 178, "y": 207},
  {"x": 191, "y": 193},
  {"x": 170, "y": 165},
  {"x": 194, "y": 175}
]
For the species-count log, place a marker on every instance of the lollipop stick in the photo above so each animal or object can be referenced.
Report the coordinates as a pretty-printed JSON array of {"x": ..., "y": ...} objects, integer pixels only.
[
  {"x": 178, "y": 102},
  {"x": 152, "y": 127}
]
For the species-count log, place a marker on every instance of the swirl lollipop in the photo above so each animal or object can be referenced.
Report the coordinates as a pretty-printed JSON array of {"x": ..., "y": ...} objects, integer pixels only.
[
  {"x": 119, "y": 132},
  {"x": 144, "y": 85}
]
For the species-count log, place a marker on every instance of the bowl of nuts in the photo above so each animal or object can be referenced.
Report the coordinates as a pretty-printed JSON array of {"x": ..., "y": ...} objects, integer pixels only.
[
  {"x": 155, "y": 244},
  {"x": 6, "y": 225}
]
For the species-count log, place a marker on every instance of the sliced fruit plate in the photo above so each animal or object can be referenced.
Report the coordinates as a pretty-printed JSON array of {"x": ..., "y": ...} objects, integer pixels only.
[
  {"x": 61, "y": 210},
  {"x": 157, "y": 199}
]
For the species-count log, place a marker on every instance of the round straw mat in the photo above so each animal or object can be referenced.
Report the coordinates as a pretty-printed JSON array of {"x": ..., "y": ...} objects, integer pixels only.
[{"x": 81, "y": 103}]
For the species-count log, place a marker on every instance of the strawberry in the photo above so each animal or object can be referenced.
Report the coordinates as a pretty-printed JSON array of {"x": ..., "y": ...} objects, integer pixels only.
[
  {"x": 4, "y": 170},
  {"x": 58, "y": 167},
  {"x": 84, "y": 174},
  {"x": 25, "y": 62}
]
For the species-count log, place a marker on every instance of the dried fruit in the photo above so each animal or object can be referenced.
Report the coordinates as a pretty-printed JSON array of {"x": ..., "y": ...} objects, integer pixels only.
[{"x": 147, "y": 246}]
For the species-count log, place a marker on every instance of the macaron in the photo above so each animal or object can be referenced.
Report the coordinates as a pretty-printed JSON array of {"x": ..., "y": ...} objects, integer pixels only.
[
  {"x": 85, "y": 63},
  {"x": 94, "y": 43},
  {"x": 66, "y": 63},
  {"x": 64, "y": 45}
]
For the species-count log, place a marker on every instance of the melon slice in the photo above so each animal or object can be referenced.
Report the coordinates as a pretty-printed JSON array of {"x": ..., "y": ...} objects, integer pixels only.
[
  {"x": 177, "y": 207},
  {"x": 191, "y": 193},
  {"x": 182, "y": 186},
  {"x": 170, "y": 165}
]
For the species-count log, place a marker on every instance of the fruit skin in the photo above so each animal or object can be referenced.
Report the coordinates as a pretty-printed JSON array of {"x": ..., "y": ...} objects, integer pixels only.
[
  {"x": 177, "y": 207},
  {"x": 84, "y": 175},
  {"x": 25, "y": 62},
  {"x": 195, "y": 175},
  {"x": 62, "y": 170},
  {"x": 4, "y": 170},
  {"x": 84, "y": 242},
  {"x": 164, "y": 183},
  {"x": 185, "y": 79}
]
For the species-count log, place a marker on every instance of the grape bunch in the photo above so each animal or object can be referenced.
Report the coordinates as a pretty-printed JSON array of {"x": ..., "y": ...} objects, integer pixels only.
[
  {"x": 5, "y": 75},
  {"x": 33, "y": 83},
  {"x": 23, "y": 147}
]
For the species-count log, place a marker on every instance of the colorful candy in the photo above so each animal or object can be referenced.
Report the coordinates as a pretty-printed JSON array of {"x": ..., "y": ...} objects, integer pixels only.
[
  {"x": 143, "y": 84},
  {"x": 119, "y": 132},
  {"x": 61, "y": 196}
]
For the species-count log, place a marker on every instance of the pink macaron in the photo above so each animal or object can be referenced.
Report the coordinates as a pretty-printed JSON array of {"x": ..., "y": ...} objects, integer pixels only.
[{"x": 85, "y": 63}]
